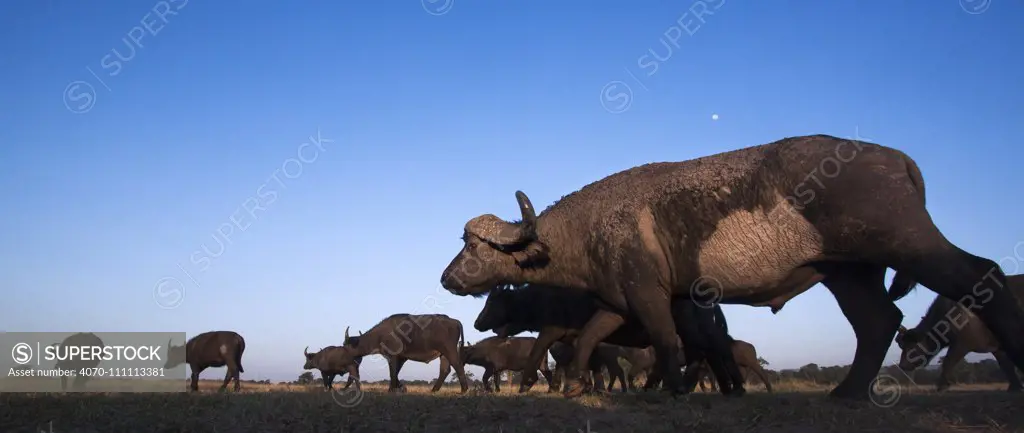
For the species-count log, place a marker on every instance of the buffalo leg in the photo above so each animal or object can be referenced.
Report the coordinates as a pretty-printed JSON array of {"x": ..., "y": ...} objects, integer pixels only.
[
  {"x": 654, "y": 377},
  {"x": 351, "y": 379},
  {"x": 446, "y": 369},
  {"x": 450, "y": 352},
  {"x": 954, "y": 355},
  {"x": 488, "y": 372},
  {"x": 600, "y": 326},
  {"x": 695, "y": 343},
  {"x": 194, "y": 385},
  {"x": 353, "y": 376},
  {"x": 1009, "y": 370},
  {"x": 557, "y": 377},
  {"x": 232, "y": 373},
  {"x": 598, "y": 382},
  {"x": 860, "y": 291},
  {"x": 721, "y": 351},
  {"x": 656, "y": 317},
  {"x": 326, "y": 379},
  {"x": 497, "y": 380},
  {"x": 228, "y": 375},
  {"x": 538, "y": 353},
  {"x": 544, "y": 370},
  {"x": 705, "y": 339},
  {"x": 759, "y": 371},
  {"x": 395, "y": 367},
  {"x": 632, "y": 376},
  {"x": 615, "y": 371}
]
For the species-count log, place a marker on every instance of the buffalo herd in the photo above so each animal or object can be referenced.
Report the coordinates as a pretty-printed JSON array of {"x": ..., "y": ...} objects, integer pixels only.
[{"x": 636, "y": 265}]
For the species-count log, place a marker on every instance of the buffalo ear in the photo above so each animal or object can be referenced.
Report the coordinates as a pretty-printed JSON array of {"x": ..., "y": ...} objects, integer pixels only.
[
  {"x": 902, "y": 330},
  {"x": 535, "y": 254}
]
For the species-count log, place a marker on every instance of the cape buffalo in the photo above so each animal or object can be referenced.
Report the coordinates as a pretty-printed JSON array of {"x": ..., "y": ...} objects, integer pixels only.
[
  {"x": 497, "y": 354},
  {"x": 422, "y": 338},
  {"x": 747, "y": 226},
  {"x": 560, "y": 314},
  {"x": 79, "y": 339},
  {"x": 948, "y": 324},
  {"x": 331, "y": 362},
  {"x": 209, "y": 349}
]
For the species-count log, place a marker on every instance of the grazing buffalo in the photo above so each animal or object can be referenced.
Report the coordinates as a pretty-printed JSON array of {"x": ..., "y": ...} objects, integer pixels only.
[
  {"x": 209, "y": 349},
  {"x": 948, "y": 324},
  {"x": 331, "y": 361},
  {"x": 747, "y": 226},
  {"x": 559, "y": 314},
  {"x": 422, "y": 338},
  {"x": 79, "y": 339},
  {"x": 497, "y": 354}
]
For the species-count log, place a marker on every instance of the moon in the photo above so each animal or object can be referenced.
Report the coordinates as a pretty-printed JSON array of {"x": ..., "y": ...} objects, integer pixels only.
[{"x": 714, "y": 117}]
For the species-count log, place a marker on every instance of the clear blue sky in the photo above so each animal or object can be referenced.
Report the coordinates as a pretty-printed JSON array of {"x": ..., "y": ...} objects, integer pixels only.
[{"x": 437, "y": 119}]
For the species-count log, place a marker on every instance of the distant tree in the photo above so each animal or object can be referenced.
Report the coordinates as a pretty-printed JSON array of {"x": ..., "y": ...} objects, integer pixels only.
[
  {"x": 306, "y": 378},
  {"x": 810, "y": 372},
  {"x": 763, "y": 362}
]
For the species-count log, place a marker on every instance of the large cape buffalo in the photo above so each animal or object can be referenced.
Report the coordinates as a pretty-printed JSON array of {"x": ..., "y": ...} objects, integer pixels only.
[
  {"x": 78, "y": 339},
  {"x": 331, "y": 361},
  {"x": 559, "y": 314},
  {"x": 422, "y": 338},
  {"x": 210, "y": 349},
  {"x": 948, "y": 324},
  {"x": 497, "y": 354},
  {"x": 746, "y": 226}
]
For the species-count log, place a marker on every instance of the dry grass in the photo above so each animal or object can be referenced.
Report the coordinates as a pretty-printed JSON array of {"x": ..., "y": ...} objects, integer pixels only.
[{"x": 798, "y": 407}]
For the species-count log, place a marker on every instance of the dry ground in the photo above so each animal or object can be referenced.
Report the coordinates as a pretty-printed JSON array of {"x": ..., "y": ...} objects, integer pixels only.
[{"x": 795, "y": 407}]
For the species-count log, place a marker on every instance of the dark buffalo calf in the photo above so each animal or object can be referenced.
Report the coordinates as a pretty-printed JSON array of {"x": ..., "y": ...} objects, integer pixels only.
[
  {"x": 497, "y": 354},
  {"x": 332, "y": 361},
  {"x": 210, "y": 349}
]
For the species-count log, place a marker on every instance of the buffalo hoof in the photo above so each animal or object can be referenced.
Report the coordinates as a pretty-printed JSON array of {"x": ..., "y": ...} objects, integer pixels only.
[
  {"x": 849, "y": 394},
  {"x": 575, "y": 390}
]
